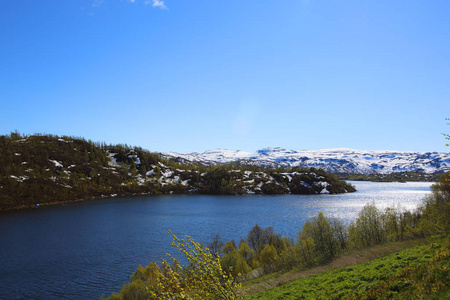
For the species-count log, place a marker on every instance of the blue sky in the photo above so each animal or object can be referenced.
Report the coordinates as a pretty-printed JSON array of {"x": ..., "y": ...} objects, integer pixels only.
[{"x": 198, "y": 75}]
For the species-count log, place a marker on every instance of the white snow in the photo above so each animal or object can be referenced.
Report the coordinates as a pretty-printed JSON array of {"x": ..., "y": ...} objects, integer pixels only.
[
  {"x": 288, "y": 176},
  {"x": 250, "y": 192},
  {"x": 343, "y": 160},
  {"x": 167, "y": 173},
  {"x": 324, "y": 185},
  {"x": 140, "y": 180},
  {"x": 57, "y": 163},
  {"x": 137, "y": 161},
  {"x": 112, "y": 161},
  {"x": 19, "y": 178}
]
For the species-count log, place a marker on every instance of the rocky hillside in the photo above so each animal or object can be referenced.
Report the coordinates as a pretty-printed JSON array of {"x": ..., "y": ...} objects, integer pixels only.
[
  {"x": 42, "y": 169},
  {"x": 336, "y": 161}
]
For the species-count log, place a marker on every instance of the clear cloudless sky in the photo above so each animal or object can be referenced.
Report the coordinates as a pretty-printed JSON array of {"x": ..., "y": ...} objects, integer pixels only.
[{"x": 179, "y": 75}]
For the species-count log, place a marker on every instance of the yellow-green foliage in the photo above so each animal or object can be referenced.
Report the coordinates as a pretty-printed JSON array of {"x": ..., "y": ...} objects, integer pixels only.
[
  {"x": 435, "y": 210},
  {"x": 233, "y": 262},
  {"x": 320, "y": 240},
  {"x": 135, "y": 290},
  {"x": 228, "y": 247},
  {"x": 203, "y": 278},
  {"x": 306, "y": 245},
  {"x": 368, "y": 229},
  {"x": 245, "y": 250},
  {"x": 268, "y": 257}
]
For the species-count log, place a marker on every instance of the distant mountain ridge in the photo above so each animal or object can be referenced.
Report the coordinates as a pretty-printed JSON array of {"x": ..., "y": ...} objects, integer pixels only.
[{"x": 339, "y": 160}]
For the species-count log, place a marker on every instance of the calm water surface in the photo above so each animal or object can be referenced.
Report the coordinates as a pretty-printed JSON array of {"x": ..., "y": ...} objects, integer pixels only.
[{"x": 84, "y": 250}]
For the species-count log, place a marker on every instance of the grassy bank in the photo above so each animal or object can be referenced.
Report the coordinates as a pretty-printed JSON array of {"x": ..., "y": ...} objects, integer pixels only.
[{"x": 411, "y": 269}]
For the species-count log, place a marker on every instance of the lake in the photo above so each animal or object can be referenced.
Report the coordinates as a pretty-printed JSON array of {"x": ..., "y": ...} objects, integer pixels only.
[{"x": 83, "y": 250}]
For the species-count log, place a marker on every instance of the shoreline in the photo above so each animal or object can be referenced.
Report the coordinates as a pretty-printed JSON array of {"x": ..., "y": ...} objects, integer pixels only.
[{"x": 37, "y": 205}]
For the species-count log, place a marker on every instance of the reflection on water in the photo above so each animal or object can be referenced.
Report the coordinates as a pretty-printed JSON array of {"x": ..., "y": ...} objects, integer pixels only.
[{"x": 84, "y": 250}]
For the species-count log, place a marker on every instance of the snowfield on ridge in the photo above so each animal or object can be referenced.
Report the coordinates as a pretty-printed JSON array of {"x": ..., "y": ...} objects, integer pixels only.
[{"x": 339, "y": 160}]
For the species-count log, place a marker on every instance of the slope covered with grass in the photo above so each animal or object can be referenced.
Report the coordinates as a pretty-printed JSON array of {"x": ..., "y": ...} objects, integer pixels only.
[{"x": 414, "y": 273}]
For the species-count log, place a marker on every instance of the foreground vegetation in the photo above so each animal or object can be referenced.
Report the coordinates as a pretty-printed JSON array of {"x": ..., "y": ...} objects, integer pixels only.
[
  {"x": 414, "y": 273},
  {"x": 45, "y": 169}
]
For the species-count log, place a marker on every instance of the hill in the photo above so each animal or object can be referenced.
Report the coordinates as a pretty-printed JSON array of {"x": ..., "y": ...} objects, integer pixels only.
[{"x": 44, "y": 169}]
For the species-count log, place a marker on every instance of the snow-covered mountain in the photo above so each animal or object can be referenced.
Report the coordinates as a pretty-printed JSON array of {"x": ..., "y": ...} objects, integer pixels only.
[{"x": 340, "y": 160}]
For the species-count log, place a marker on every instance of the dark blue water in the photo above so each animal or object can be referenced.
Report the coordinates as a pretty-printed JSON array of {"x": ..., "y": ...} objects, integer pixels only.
[{"x": 84, "y": 250}]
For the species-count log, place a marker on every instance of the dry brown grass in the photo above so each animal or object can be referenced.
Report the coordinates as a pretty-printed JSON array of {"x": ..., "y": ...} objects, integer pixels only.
[{"x": 352, "y": 258}]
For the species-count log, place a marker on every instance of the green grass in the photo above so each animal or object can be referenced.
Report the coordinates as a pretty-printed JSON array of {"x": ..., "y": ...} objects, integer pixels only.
[{"x": 413, "y": 273}]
